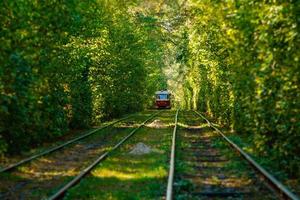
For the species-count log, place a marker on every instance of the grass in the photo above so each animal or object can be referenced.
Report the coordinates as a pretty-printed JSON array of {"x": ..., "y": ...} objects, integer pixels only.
[
  {"x": 10, "y": 159},
  {"x": 127, "y": 176},
  {"x": 265, "y": 160},
  {"x": 230, "y": 173},
  {"x": 46, "y": 176},
  {"x": 271, "y": 165},
  {"x": 183, "y": 187},
  {"x": 236, "y": 164}
]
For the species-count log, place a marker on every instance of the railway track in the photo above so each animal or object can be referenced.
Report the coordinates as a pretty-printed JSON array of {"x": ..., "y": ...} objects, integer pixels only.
[
  {"x": 198, "y": 169},
  {"x": 87, "y": 170},
  {"x": 56, "y": 148},
  {"x": 133, "y": 171},
  {"x": 44, "y": 176},
  {"x": 202, "y": 172}
]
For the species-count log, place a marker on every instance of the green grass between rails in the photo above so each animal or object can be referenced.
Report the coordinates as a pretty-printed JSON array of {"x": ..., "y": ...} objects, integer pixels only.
[
  {"x": 117, "y": 132},
  {"x": 10, "y": 159},
  {"x": 246, "y": 142},
  {"x": 183, "y": 187},
  {"x": 126, "y": 176}
]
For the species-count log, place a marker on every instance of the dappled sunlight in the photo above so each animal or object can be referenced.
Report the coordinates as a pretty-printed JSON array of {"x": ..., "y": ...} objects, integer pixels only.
[
  {"x": 134, "y": 174},
  {"x": 45, "y": 160},
  {"x": 124, "y": 174},
  {"x": 158, "y": 124},
  {"x": 230, "y": 182},
  {"x": 67, "y": 66},
  {"x": 127, "y": 125},
  {"x": 184, "y": 125},
  {"x": 46, "y": 175},
  {"x": 47, "y": 172},
  {"x": 207, "y": 168},
  {"x": 116, "y": 160}
]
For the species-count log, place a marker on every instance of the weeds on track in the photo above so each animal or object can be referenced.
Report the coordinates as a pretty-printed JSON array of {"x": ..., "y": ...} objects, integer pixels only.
[{"x": 126, "y": 176}]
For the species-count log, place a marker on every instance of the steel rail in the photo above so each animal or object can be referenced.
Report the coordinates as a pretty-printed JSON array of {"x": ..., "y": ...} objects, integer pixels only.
[
  {"x": 169, "y": 194},
  {"x": 84, "y": 172},
  {"x": 53, "y": 149},
  {"x": 282, "y": 189}
]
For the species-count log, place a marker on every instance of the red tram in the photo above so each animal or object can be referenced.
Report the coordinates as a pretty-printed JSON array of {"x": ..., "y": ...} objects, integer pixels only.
[{"x": 162, "y": 99}]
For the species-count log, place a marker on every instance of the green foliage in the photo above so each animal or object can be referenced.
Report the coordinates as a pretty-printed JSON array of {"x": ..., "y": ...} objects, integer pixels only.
[
  {"x": 71, "y": 64},
  {"x": 243, "y": 69}
]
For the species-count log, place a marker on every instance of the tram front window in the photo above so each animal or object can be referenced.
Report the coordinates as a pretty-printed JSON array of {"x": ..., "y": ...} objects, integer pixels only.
[{"x": 162, "y": 96}]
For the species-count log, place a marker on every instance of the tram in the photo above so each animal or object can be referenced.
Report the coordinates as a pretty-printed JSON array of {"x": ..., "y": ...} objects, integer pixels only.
[{"x": 162, "y": 99}]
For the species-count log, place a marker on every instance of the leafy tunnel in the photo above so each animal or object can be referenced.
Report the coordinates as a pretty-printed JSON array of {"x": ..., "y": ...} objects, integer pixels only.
[{"x": 72, "y": 64}]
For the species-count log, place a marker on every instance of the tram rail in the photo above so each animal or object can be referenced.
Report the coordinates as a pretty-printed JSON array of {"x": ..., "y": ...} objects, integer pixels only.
[
  {"x": 72, "y": 161},
  {"x": 281, "y": 190},
  {"x": 56, "y": 148},
  {"x": 169, "y": 194},
  {"x": 60, "y": 193}
]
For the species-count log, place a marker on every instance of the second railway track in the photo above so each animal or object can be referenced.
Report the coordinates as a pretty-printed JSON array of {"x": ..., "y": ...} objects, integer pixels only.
[
  {"x": 38, "y": 179},
  {"x": 136, "y": 170},
  {"x": 203, "y": 172}
]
